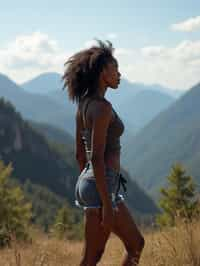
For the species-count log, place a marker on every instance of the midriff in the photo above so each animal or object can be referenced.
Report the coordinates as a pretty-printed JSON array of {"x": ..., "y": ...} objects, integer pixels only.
[{"x": 112, "y": 160}]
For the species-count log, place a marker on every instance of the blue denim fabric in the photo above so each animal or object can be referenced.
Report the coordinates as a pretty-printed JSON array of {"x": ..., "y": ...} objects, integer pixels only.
[{"x": 86, "y": 193}]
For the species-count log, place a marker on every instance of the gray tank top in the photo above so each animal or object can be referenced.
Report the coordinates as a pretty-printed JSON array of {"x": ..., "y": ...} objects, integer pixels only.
[{"x": 115, "y": 130}]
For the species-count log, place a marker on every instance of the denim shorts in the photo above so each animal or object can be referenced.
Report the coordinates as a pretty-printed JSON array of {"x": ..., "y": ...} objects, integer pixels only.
[{"x": 86, "y": 193}]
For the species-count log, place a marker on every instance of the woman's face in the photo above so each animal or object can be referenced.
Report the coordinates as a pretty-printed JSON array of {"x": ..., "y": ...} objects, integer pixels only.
[{"x": 111, "y": 75}]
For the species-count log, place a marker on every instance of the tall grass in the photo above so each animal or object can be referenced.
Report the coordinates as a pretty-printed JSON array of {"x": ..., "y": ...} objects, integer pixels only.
[{"x": 177, "y": 246}]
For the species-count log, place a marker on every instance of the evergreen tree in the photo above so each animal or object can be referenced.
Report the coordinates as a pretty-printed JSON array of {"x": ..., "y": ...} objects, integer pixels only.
[
  {"x": 63, "y": 222},
  {"x": 68, "y": 224},
  {"x": 15, "y": 213},
  {"x": 178, "y": 199}
]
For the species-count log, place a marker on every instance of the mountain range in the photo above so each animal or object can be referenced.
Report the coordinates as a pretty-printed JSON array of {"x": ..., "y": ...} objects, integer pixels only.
[
  {"x": 144, "y": 106},
  {"x": 136, "y": 103},
  {"x": 34, "y": 159},
  {"x": 150, "y": 117},
  {"x": 172, "y": 136},
  {"x": 37, "y": 107}
]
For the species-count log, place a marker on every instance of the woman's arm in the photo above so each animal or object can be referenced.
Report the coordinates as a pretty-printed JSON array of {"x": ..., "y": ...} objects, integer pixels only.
[
  {"x": 80, "y": 148},
  {"x": 101, "y": 117}
]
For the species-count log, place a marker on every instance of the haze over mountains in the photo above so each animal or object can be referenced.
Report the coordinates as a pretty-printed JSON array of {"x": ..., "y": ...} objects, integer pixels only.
[
  {"x": 149, "y": 101},
  {"x": 142, "y": 108},
  {"x": 43, "y": 100},
  {"x": 37, "y": 107},
  {"x": 39, "y": 83},
  {"x": 52, "y": 81},
  {"x": 173, "y": 136},
  {"x": 145, "y": 105}
]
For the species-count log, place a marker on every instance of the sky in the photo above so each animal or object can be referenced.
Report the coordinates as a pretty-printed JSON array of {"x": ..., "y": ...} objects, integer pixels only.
[{"x": 156, "y": 42}]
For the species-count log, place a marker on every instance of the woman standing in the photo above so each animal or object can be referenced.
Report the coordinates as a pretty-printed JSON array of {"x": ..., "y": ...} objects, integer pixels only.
[{"x": 88, "y": 75}]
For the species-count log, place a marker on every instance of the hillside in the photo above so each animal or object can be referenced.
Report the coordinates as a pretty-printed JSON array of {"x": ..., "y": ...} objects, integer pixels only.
[
  {"x": 57, "y": 139},
  {"x": 173, "y": 136},
  {"x": 34, "y": 159},
  {"x": 54, "y": 134},
  {"x": 31, "y": 155},
  {"x": 143, "y": 107},
  {"x": 44, "y": 83},
  {"x": 37, "y": 107}
]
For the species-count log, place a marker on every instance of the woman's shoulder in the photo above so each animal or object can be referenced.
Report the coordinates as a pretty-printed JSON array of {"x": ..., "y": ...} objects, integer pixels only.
[
  {"x": 102, "y": 105},
  {"x": 97, "y": 101},
  {"x": 99, "y": 107}
]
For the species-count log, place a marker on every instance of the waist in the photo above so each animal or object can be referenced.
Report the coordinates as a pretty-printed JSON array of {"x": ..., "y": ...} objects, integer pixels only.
[
  {"x": 109, "y": 172},
  {"x": 113, "y": 146}
]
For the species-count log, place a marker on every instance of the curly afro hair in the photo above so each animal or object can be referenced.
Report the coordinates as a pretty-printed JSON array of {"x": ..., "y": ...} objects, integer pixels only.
[{"x": 82, "y": 72}]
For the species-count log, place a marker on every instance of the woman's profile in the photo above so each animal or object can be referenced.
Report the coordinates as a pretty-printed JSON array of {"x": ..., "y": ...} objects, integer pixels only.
[{"x": 88, "y": 75}]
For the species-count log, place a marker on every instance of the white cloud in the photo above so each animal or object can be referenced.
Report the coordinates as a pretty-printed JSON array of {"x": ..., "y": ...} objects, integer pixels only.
[
  {"x": 124, "y": 52},
  {"x": 90, "y": 43},
  {"x": 176, "y": 67},
  {"x": 30, "y": 55},
  {"x": 112, "y": 36},
  {"x": 188, "y": 25},
  {"x": 184, "y": 51},
  {"x": 30, "y": 50}
]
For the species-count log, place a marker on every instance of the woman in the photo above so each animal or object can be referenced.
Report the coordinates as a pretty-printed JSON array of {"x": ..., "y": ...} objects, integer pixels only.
[{"x": 87, "y": 77}]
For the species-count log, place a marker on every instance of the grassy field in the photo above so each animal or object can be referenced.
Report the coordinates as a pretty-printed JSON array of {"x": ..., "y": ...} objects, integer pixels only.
[{"x": 179, "y": 246}]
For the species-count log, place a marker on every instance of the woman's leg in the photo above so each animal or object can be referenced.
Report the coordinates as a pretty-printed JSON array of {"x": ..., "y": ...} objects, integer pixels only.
[
  {"x": 126, "y": 229},
  {"x": 95, "y": 237}
]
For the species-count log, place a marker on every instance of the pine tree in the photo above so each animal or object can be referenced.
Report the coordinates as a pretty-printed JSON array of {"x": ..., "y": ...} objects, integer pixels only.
[
  {"x": 15, "y": 213},
  {"x": 67, "y": 224},
  {"x": 63, "y": 222},
  {"x": 179, "y": 198}
]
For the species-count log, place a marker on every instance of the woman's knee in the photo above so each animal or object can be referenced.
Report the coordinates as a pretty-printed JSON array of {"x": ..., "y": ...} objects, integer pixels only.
[
  {"x": 136, "y": 246},
  {"x": 140, "y": 243}
]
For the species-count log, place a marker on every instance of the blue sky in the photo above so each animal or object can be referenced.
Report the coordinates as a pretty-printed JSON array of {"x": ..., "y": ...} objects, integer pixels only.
[{"x": 148, "y": 47}]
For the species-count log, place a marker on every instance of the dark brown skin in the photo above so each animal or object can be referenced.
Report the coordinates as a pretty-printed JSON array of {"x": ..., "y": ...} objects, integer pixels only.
[{"x": 99, "y": 223}]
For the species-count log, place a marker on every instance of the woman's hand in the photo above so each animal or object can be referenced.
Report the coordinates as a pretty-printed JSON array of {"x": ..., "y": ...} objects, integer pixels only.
[{"x": 108, "y": 217}]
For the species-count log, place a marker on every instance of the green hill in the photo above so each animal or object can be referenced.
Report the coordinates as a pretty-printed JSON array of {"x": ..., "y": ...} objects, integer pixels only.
[
  {"x": 37, "y": 107},
  {"x": 173, "y": 136},
  {"x": 31, "y": 155},
  {"x": 35, "y": 158},
  {"x": 143, "y": 107}
]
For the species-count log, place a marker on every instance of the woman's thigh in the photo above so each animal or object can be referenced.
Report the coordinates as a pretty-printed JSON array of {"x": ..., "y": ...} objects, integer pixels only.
[
  {"x": 126, "y": 229},
  {"x": 95, "y": 234}
]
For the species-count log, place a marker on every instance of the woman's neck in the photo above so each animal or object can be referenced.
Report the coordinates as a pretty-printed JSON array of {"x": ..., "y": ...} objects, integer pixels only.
[{"x": 102, "y": 88}]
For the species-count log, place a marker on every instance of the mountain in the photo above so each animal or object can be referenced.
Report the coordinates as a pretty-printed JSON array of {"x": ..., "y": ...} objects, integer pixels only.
[
  {"x": 51, "y": 83},
  {"x": 54, "y": 134},
  {"x": 34, "y": 159},
  {"x": 143, "y": 107},
  {"x": 37, "y": 107},
  {"x": 58, "y": 139},
  {"x": 44, "y": 83},
  {"x": 173, "y": 136},
  {"x": 175, "y": 93},
  {"x": 31, "y": 155}
]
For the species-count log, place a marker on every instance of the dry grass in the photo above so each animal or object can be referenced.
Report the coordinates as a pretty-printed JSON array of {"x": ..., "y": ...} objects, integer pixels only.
[{"x": 177, "y": 246}]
